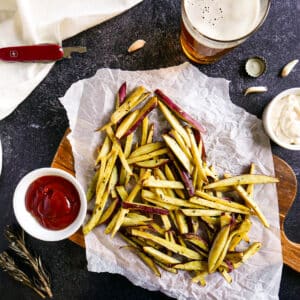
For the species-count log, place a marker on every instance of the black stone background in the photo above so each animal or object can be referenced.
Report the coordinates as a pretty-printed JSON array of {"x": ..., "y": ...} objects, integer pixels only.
[{"x": 31, "y": 135}]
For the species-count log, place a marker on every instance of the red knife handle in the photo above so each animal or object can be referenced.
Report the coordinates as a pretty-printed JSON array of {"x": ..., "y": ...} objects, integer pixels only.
[{"x": 41, "y": 52}]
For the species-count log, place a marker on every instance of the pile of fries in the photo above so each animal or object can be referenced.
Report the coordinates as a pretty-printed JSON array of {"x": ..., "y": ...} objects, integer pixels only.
[{"x": 163, "y": 198}]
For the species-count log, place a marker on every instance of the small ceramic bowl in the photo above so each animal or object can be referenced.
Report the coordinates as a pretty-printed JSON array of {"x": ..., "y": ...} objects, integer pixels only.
[
  {"x": 27, "y": 220},
  {"x": 268, "y": 114}
]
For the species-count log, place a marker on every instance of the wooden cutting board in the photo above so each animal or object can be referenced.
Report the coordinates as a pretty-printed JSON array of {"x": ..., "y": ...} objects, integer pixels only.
[{"x": 287, "y": 189}]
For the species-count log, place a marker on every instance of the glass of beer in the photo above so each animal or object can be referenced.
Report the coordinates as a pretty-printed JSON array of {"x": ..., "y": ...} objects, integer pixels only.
[{"x": 211, "y": 28}]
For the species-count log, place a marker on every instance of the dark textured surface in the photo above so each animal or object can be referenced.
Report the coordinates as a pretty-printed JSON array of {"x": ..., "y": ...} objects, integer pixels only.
[{"x": 31, "y": 135}]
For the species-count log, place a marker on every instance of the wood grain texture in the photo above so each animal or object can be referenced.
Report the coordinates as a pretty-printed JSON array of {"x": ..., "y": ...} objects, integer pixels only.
[{"x": 286, "y": 189}]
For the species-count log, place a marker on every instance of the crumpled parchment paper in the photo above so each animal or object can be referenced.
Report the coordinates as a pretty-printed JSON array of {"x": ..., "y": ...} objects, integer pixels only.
[{"x": 233, "y": 140}]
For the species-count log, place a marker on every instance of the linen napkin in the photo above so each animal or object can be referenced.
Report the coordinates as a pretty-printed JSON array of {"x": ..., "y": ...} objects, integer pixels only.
[{"x": 26, "y": 22}]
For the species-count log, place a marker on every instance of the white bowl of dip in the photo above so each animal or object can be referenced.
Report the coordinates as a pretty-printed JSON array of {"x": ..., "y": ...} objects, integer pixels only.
[
  {"x": 29, "y": 222},
  {"x": 281, "y": 119}
]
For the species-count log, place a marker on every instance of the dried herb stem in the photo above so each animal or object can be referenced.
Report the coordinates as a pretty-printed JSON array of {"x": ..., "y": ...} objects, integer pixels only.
[
  {"x": 8, "y": 265},
  {"x": 17, "y": 245}
]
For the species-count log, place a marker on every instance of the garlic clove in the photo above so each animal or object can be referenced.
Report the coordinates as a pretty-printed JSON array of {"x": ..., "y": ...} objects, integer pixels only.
[
  {"x": 255, "y": 89},
  {"x": 138, "y": 44},
  {"x": 287, "y": 69}
]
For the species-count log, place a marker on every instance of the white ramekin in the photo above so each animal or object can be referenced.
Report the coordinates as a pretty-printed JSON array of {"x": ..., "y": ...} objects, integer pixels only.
[
  {"x": 268, "y": 114},
  {"x": 29, "y": 223}
]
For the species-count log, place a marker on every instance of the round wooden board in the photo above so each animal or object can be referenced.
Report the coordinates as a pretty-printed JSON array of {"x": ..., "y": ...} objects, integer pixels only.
[{"x": 286, "y": 189}]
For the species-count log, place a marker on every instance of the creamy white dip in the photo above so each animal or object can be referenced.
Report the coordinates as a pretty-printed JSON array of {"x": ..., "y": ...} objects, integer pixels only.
[{"x": 285, "y": 119}]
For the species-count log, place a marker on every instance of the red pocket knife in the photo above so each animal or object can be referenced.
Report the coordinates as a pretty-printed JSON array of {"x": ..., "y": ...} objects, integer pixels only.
[{"x": 38, "y": 53}]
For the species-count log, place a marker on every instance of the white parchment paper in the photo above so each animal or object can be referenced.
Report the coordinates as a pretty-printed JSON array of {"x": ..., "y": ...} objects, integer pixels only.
[{"x": 233, "y": 140}]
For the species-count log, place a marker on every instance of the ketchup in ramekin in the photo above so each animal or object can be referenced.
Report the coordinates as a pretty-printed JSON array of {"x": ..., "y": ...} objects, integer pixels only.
[{"x": 53, "y": 201}]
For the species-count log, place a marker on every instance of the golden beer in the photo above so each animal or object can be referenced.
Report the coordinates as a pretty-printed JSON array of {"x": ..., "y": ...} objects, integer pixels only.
[{"x": 211, "y": 28}]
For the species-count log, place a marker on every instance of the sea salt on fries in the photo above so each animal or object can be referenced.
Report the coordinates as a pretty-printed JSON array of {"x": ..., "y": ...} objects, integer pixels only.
[{"x": 163, "y": 199}]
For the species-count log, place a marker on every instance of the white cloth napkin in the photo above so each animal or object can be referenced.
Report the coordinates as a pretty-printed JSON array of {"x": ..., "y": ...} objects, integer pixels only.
[{"x": 24, "y": 22}]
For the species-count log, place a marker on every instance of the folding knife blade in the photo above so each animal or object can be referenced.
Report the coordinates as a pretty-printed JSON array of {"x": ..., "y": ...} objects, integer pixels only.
[{"x": 69, "y": 50}]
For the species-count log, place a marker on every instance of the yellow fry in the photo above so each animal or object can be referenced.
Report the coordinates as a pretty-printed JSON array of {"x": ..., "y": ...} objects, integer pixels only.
[
  {"x": 160, "y": 256},
  {"x": 131, "y": 101},
  {"x": 150, "y": 134},
  {"x": 105, "y": 149},
  {"x": 145, "y": 124},
  {"x": 202, "y": 212},
  {"x": 245, "y": 227},
  {"x": 166, "y": 268},
  {"x": 251, "y": 251},
  {"x": 122, "y": 192},
  {"x": 196, "y": 265},
  {"x": 97, "y": 213},
  {"x": 209, "y": 197},
  {"x": 123, "y": 211},
  {"x": 200, "y": 277},
  {"x": 108, "y": 212},
  {"x": 147, "y": 156},
  {"x": 160, "y": 175},
  {"x": 217, "y": 247},
  {"x": 112, "y": 223},
  {"x": 174, "y": 122},
  {"x": 178, "y": 152},
  {"x": 152, "y": 163},
  {"x": 241, "y": 180},
  {"x": 166, "y": 222},
  {"x": 169, "y": 200},
  {"x": 226, "y": 275},
  {"x": 148, "y": 261},
  {"x": 159, "y": 203},
  {"x": 250, "y": 203},
  {"x": 250, "y": 187},
  {"x": 206, "y": 203},
  {"x": 126, "y": 123},
  {"x": 103, "y": 180},
  {"x": 182, "y": 144},
  {"x": 152, "y": 182},
  {"x": 168, "y": 245},
  {"x": 170, "y": 176},
  {"x": 92, "y": 186},
  {"x": 113, "y": 181},
  {"x": 196, "y": 155},
  {"x": 148, "y": 148},
  {"x": 117, "y": 146},
  {"x": 181, "y": 222}
]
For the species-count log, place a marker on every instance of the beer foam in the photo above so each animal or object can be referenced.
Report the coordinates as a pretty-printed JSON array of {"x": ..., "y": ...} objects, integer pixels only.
[{"x": 223, "y": 19}]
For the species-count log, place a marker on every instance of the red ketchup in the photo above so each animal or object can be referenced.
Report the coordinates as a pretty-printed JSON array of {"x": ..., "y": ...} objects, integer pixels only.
[{"x": 53, "y": 201}]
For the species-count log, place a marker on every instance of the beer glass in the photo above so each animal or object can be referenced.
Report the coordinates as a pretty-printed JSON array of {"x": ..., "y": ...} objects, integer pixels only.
[{"x": 211, "y": 28}]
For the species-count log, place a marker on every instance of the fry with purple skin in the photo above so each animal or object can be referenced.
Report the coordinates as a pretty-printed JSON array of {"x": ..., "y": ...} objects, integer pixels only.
[
  {"x": 179, "y": 111},
  {"x": 145, "y": 208},
  {"x": 121, "y": 95},
  {"x": 197, "y": 240},
  {"x": 149, "y": 106},
  {"x": 186, "y": 179}
]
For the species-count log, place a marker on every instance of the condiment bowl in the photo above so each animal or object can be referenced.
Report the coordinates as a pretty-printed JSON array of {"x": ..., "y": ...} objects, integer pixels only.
[
  {"x": 29, "y": 223},
  {"x": 267, "y": 118}
]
